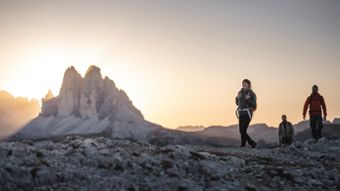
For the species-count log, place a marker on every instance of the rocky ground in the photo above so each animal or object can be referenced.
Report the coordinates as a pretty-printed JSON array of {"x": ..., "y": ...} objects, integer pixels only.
[{"x": 77, "y": 163}]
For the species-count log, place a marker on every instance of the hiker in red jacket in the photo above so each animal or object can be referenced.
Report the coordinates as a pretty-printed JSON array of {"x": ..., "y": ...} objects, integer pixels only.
[{"x": 315, "y": 102}]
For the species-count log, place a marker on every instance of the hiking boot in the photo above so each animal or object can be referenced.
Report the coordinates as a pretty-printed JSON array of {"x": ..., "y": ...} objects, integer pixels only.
[
  {"x": 253, "y": 145},
  {"x": 243, "y": 145}
]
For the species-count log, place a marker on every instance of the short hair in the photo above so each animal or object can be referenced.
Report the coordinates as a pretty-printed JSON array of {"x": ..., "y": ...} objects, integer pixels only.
[{"x": 247, "y": 81}]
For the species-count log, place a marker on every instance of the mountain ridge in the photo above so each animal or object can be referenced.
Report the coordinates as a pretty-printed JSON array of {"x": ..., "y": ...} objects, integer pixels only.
[{"x": 87, "y": 105}]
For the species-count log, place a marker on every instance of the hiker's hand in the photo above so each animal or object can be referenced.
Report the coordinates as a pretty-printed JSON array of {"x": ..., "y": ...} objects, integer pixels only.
[
  {"x": 239, "y": 95},
  {"x": 247, "y": 96}
]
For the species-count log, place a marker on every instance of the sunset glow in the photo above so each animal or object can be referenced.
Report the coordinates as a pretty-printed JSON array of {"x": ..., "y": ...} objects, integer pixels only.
[{"x": 183, "y": 68}]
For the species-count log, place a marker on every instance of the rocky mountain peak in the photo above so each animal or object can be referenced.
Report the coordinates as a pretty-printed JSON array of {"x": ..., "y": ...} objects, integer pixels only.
[
  {"x": 93, "y": 72},
  {"x": 88, "y": 97},
  {"x": 88, "y": 105},
  {"x": 48, "y": 96},
  {"x": 72, "y": 81}
]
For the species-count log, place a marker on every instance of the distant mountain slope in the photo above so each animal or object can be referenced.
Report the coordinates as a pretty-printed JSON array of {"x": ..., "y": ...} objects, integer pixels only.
[
  {"x": 257, "y": 132},
  {"x": 15, "y": 113},
  {"x": 330, "y": 131},
  {"x": 336, "y": 121},
  {"x": 190, "y": 128}
]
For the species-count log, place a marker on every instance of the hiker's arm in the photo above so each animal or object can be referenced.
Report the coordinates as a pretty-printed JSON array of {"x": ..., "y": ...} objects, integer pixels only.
[
  {"x": 237, "y": 99},
  {"x": 323, "y": 104},
  {"x": 252, "y": 100},
  {"x": 305, "y": 107}
]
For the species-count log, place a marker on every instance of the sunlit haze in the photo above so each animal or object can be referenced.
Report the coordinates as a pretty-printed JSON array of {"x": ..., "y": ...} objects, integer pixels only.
[{"x": 180, "y": 62}]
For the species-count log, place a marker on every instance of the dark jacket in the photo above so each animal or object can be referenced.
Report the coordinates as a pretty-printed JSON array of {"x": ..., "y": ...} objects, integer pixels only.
[
  {"x": 286, "y": 131},
  {"x": 315, "y": 102},
  {"x": 244, "y": 103}
]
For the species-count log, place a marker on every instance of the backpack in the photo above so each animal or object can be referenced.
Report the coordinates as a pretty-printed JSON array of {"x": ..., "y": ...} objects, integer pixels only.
[{"x": 253, "y": 107}]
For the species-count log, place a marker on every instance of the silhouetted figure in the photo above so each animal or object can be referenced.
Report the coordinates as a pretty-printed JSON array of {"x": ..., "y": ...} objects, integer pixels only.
[
  {"x": 286, "y": 131},
  {"x": 315, "y": 102},
  {"x": 246, "y": 102}
]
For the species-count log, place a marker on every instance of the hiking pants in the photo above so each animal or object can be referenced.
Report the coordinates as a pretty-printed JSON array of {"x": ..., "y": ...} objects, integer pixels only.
[
  {"x": 244, "y": 121},
  {"x": 316, "y": 126},
  {"x": 286, "y": 140}
]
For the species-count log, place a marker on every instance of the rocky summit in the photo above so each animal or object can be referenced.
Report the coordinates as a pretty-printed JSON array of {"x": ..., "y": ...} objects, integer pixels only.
[
  {"x": 88, "y": 105},
  {"x": 79, "y": 163}
]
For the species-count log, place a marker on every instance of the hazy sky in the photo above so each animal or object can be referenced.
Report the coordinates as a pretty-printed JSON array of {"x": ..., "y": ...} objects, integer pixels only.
[{"x": 181, "y": 62}]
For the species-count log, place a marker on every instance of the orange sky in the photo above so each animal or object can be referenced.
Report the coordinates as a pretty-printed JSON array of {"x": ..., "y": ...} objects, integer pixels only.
[{"x": 181, "y": 63}]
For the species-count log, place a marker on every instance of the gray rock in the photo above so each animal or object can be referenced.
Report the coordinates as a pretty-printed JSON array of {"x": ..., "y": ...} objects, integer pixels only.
[
  {"x": 45, "y": 177},
  {"x": 322, "y": 140},
  {"x": 298, "y": 144},
  {"x": 76, "y": 143},
  {"x": 30, "y": 160},
  {"x": 308, "y": 142},
  {"x": 76, "y": 163}
]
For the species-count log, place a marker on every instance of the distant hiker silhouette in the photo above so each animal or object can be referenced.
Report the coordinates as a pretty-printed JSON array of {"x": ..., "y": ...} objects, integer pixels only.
[
  {"x": 315, "y": 102},
  {"x": 286, "y": 131},
  {"x": 246, "y": 102}
]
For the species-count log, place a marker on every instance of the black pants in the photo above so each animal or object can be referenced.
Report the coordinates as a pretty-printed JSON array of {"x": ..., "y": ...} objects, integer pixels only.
[
  {"x": 244, "y": 121},
  {"x": 286, "y": 140},
  {"x": 316, "y": 126}
]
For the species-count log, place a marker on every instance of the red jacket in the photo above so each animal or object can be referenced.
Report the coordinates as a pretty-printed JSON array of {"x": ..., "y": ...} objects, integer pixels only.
[{"x": 315, "y": 102}]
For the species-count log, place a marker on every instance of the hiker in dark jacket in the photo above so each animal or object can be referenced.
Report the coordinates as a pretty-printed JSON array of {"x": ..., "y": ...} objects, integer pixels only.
[
  {"x": 286, "y": 131},
  {"x": 246, "y": 102},
  {"x": 315, "y": 102}
]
